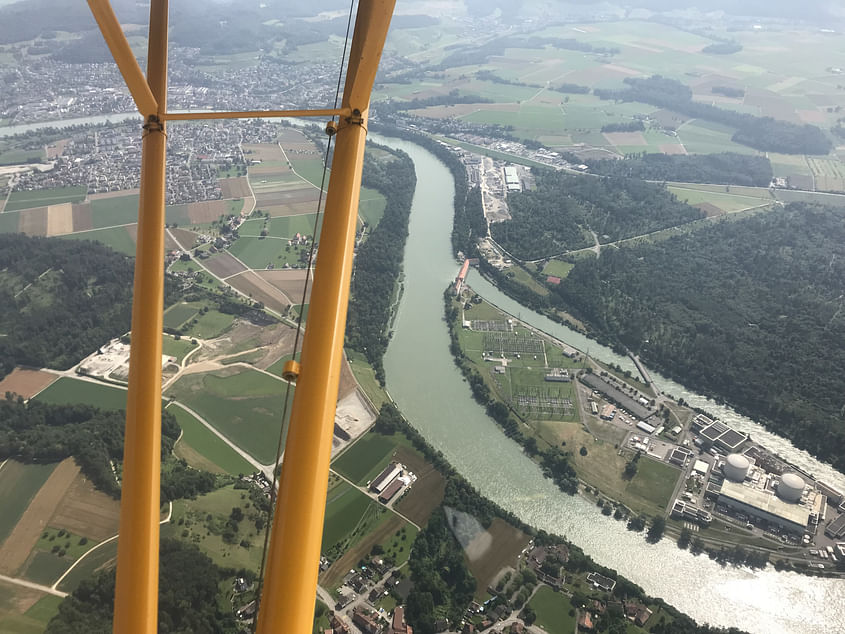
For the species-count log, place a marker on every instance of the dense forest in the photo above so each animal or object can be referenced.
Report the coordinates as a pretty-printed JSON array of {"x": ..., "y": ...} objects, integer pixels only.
[
  {"x": 60, "y": 300},
  {"x": 726, "y": 168},
  {"x": 628, "y": 126},
  {"x": 188, "y": 597},
  {"x": 556, "y": 216},
  {"x": 379, "y": 259},
  {"x": 442, "y": 582},
  {"x": 37, "y": 432},
  {"x": 750, "y": 311},
  {"x": 761, "y": 133}
]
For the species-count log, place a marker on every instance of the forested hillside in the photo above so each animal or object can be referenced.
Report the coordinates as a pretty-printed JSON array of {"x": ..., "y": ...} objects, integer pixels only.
[
  {"x": 37, "y": 432},
  {"x": 188, "y": 597},
  {"x": 557, "y": 215},
  {"x": 727, "y": 168},
  {"x": 752, "y": 311},
  {"x": 59, "y": 300}
]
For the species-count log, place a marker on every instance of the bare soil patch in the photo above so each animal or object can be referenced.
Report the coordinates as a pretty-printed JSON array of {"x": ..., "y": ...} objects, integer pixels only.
[
  {"x": 294, "y": 209},
  {"x": 26, "y": 383},
  {"x": 186, "y": 239},
  {"x": 37, "y": 516},
  {"x": 504, "y": 544},
  {"x": 82, "y": 217},
  {"x": 811, "y": 116},
  {"x": 20, "y": 597},
  {"x": 295, "y": 142},
  {"x": 426, "y": 493},
  {"x": 290, "y": 282},
  {"x": 260, "y": 290},
  {"x": 672, "y": 148},
  {"x": 56, "y": 149},
  {"x": 224, "y": 264},
  {"x": 59, "y": 219},
  {"x": 33, "y": 222},
  {"x": 234, "y": 187},
  {"x": 207, "y": 211},
  {"x": 710, "y": 210},
  {"x": 86, "y": 511}
]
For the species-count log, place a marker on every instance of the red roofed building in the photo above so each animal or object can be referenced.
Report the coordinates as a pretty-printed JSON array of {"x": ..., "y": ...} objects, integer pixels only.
[
  {"x": 398, "y": 625},
  {"x": 585, "y": 621},
  {"x": 552, "y": 279}
]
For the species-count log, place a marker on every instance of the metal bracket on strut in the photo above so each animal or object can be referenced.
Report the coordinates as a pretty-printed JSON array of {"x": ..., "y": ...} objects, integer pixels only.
[
  {"x": 153, "y": 124},
  {"x": 290, "y": 371}
]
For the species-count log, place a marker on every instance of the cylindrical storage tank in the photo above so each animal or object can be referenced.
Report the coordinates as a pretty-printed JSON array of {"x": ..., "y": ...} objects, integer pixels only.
[
  {"x": 791, "y": 487},
  {"x": 736, "y": 467}
]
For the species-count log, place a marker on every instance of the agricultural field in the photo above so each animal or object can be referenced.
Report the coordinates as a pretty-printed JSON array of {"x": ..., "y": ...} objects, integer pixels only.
[
  {"x": 118, "y": 238},
  {"x": 552, "y": 609},
  {"x": 347, "y": 511},
  {"x": 828, "y": 174},
  {"x": 67, "y": 391},
  {"x": 426, "y": 494},
  {"x": 243, "y": 405},
  {"x": 18, "y": 485},
  {"x": 24, "y": 610},
  {"x": 266, "y": 253},
  {"x": 108, "y": 212},
  {"x": 177, "y": 349},
  {"x": 727, "y": 200},
  {"x": 490, "y": 551},
  {"x": 366, "y": 458},
  {"x": 258, "y": 289},
  {"x": 45, "y": 197},
  {"x": 26, "y": 383},
  {"x": 557, "y": 268},
  {"x": 203, "y": 450}
]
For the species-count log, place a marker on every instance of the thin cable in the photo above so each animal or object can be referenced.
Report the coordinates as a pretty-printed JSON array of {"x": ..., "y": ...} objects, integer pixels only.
[{"x": 278, "y": 460}]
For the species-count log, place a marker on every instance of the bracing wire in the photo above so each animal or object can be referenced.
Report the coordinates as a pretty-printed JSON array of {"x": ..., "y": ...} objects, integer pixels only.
[{"x": 297, "y": 336}]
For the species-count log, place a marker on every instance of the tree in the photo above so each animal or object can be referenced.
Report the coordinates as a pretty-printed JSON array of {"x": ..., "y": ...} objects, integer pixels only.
[
  {"x": 656, "y": 530},
  {"x": 684, "y": 538}
]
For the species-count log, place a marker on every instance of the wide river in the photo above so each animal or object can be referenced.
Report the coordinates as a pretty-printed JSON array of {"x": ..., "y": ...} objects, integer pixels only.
[{"x": 432, "y": 394}]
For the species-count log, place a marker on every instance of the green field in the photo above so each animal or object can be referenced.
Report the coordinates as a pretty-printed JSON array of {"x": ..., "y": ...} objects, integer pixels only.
[
  {"x": 9, "y": 222},
  {"x": 209, "y": 446},
  {"x": 179, "y": 313},
  {"x": 67, "y": 391},
  {"x": 311, "y": 169},
  {"x": 280, "y": 226},
  {"x": 44, "y": 197},
  {"x": 102, "y": 558},
  {"x": 202, "y": 522},
  {"x": 108, "y": 212},
  {"x": 262, "y": 253},
  {"x": 44, "y": 567},
  {"x": 724, "y": 200},
  {"x": 558, "y": 268},
  {"x": 117, "y": 238},
  {"x": 346, "y": 510},
  {"x": 179, "y": 349},
  {"x": 655, "y": 481},
  {"x": 18, "y": 485},
  {"x": 552, "y": 609},
  {"x": 371, "y": 206},
  {"x": 243, "y": 405},
  {"x": 279, "y": 365},
  {"x": 17, "y": 157},
  {"x": 366, "y": 458},
  {"x": 211, "y": 325}
]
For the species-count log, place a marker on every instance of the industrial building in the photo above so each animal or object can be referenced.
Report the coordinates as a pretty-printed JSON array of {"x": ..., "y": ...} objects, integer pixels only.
[
  {"x": 560, "y": 375},
  {"x": 762, "y": 505},
  {"x": 718, "y": 434},
  {"x": 836, "y": 529},
  {"x": 385, "y": 477},
  {"x": 392, "y": 489},
  {"x": 687, "y": 511},
  {"x": 512, "y": 181}
]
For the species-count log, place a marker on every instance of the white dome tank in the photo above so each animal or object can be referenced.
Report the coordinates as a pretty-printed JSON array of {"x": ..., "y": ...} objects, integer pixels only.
[
  {"x": 736, "y": 467},
  {"x": 791, "y": 487}
]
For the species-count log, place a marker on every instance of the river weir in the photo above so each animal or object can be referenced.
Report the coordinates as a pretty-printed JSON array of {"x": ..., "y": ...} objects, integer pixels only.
[{"x": 432, "y": 394}]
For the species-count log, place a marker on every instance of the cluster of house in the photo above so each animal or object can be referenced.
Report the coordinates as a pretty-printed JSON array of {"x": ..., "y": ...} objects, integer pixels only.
[
  {"x": 634, "y": 611},
  {"x": 372, "y": 623}
]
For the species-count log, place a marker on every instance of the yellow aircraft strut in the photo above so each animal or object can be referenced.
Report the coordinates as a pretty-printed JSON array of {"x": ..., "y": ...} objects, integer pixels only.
[{"x": 287, "y": 602}]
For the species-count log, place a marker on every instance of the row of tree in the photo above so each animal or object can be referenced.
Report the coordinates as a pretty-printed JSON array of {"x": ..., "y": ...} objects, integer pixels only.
[
  {"x": 727, "y": 168},
  {"x": 379, "y": 259},
  {"x": 762, "y": 133}
]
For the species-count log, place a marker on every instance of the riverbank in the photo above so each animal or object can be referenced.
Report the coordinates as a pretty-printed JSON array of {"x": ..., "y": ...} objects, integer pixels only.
[{"x": 432, "y": 395}]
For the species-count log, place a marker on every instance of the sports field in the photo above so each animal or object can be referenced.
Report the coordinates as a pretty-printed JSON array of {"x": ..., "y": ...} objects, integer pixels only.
[
  {"x": 552, "y": 609},
  {"x": 67, "y": 391},
  {"x": 203, "y": 450},
  {"x": 244, "y": 405}
]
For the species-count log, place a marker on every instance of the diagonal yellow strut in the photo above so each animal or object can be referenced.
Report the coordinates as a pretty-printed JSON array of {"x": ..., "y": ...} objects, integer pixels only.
[{"x": 291, "y": 578}]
